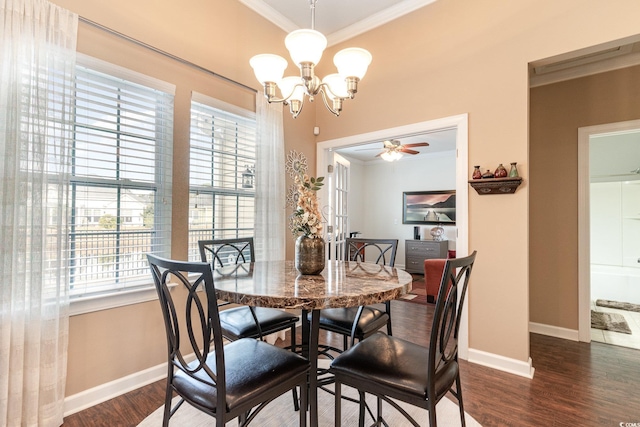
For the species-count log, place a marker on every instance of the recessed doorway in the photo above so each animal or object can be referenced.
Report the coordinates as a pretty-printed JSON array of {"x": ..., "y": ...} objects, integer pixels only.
[
  {"x": 325, "y": 151},
  {"x": 609, "y": 233}
]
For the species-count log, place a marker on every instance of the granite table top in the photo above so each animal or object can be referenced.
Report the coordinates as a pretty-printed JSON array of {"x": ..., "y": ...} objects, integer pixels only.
[{"x": 278, "y": 284}]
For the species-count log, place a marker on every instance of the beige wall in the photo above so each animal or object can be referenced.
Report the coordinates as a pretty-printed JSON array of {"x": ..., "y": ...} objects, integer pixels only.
[
  {"x": 458, "y": 56},
  {"x": 451, "y": 57},
  {"x": 110, "y": 344},
  {"x": 557, "y": 111}
]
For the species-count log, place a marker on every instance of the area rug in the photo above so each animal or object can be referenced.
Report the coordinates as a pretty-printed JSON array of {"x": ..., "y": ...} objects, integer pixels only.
[
  {"x": 280, "y": 413},
  {"x": 619, "y": 305},
  {"x": 609, "y": 322}
]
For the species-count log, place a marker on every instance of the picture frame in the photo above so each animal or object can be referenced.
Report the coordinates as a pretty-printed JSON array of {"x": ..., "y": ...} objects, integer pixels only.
[{"x": 429, "y": 207}]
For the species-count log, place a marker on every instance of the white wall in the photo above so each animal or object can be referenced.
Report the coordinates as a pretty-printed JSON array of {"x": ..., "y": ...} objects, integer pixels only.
[
  {"x": 615, "y": 223},
  {"x": 375, "y": 195}
]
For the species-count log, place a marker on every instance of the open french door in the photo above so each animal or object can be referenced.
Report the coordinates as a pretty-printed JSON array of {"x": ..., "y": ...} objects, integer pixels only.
[{"x": 338, "y": 211}]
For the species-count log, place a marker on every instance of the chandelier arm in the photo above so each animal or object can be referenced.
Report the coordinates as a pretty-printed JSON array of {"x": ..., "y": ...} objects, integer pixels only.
[
  {"x": 269, "y": 93},
  {"x": 325, "y": 87},
  {"x": 294, "y": 105},
  {"x": 271, "y": 99},
  {"x": 335, "y": 112}
]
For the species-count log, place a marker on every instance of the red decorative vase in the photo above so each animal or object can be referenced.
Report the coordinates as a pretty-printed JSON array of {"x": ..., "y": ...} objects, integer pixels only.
[
  {"x": 476, "y": 173},
  {"x": 500, "y": 172}
]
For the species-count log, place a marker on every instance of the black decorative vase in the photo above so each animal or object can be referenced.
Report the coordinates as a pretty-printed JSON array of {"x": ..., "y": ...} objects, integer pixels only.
[{"x": 309, "y": 255}]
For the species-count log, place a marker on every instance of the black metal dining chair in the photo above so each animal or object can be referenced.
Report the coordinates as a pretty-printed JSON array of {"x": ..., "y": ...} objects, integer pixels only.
[
  {"x": 391, "y": 368},
  {"x": 243, "y": 321},
  {"x": 236, "y": 380},
  {"x": 246, "y": 321},
  {"x": 360, "y": 322}
]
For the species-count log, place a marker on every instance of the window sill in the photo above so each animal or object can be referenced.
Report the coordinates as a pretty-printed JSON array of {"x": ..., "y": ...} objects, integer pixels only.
[{"x": 105, "y": 302}]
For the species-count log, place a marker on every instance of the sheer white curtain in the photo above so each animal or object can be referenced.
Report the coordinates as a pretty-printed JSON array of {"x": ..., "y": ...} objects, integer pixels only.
[
  {"x": 270, "y": 192},
  {"x": 37, "y": 61}
]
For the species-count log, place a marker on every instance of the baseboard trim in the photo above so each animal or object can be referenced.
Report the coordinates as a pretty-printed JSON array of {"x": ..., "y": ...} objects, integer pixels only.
[
  {"x": 102, "y": 393},
  {"x": 96, "y": 395},
  {"x": 554, "y": 331},
  {"x": 93, "y": 396},
  {"x": 501, "y": 363}
]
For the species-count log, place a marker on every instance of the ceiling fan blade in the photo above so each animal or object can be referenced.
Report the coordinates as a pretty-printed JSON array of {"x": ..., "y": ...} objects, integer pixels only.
[
  {"x": 417, "y": 144},
  {"x": 366, "y": 149},
  {"x": 406, "y": 150},
  {"x": 380, "y": 153}
]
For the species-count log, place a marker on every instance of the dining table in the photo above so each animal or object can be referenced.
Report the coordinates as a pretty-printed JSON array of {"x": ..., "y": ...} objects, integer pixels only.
[{"x": 277, "y": 284}]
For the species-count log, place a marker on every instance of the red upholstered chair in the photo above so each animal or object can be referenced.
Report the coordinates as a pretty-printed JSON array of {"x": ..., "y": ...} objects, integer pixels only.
[{"x": 433, "y": 269}]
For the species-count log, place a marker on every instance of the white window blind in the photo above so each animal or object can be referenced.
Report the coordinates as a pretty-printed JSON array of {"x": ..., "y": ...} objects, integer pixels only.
[
  {"x": 222, "y": 172},
  {"x": 120, "y": 183}
]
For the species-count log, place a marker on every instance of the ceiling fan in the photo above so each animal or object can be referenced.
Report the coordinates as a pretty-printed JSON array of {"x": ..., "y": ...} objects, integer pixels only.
[
  {"x": 393, "y": 149},
  {"x": 636, "y": 171}
]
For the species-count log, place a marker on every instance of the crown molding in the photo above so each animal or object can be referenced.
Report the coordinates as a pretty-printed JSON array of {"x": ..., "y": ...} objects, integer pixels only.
[
  {"x": 377, "y": 20},
  {"x": 402, "y": 8},
  {"x": 266, "y": 11}
]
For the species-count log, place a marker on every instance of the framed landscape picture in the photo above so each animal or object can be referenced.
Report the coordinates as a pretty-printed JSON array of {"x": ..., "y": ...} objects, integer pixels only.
[{"x": 429, "y": 207}]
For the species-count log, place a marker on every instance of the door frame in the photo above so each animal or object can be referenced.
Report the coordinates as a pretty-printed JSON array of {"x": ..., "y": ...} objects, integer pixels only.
[
  {"x": 461, "y": 124},
  {"x": 584, "y": 219}
]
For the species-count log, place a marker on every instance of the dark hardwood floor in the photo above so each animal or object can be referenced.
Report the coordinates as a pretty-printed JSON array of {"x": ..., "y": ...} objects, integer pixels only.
[{"x": 575, "y": 384}]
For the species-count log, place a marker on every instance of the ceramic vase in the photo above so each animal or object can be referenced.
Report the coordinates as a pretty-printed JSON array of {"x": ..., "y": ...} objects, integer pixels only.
[
  {"x": 309, "y": 255},
  {"x": 476, "y": 173},
  {"x": 513, "y": 173},
  {"x": 500, "y": 172}
]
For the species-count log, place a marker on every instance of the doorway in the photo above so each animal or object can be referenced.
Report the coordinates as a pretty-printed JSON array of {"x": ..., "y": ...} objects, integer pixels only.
[
  {"x": 609, "y": 232},
  {"x": 460, "y": 124}
]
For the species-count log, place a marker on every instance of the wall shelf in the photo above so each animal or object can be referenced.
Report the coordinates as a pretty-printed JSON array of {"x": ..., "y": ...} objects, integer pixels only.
[{"x": 495, "y": 185}]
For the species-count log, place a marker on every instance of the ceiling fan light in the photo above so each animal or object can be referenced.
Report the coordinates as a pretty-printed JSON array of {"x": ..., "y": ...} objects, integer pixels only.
[
  {"x": 337, "y": 86},
  {"x": 291, "y": 88},
  {"x": 352, "y": 62},
  {"x": 268, "y": 67},
  {"x": 305, "y": 46},
  {"x": 391, "y": 156}
]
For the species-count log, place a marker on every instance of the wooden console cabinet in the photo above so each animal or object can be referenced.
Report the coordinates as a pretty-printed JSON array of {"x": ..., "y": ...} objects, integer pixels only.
[{"x": 416, "y": 251}]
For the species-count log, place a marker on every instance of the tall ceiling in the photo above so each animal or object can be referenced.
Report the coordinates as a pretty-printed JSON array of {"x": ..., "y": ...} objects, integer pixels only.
[{"x": 338, "y": 20}]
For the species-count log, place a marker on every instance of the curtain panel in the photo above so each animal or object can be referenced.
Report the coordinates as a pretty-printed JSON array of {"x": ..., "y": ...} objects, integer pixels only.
[
  {"x": 270, "y": 191},
  {"x": 37, "y": 61}
]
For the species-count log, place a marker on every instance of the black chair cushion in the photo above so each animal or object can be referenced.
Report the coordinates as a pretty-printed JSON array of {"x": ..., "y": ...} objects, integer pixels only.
[
  {"x": 253, "y": 368},
  {"x": 394, "y": 367},
  {"x": 238, "y": 322},
  {"x": 341, "y": 320}
]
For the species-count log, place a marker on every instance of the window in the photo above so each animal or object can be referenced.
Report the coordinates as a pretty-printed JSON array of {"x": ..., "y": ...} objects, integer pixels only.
[
  {"x": 120, "y": 192},
  {"x": 221, "y": 174}
]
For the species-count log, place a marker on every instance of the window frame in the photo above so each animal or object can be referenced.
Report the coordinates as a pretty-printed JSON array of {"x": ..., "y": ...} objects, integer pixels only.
[
  {"x": 145, "y": 291},
  {"x": 227, "y": 111}
]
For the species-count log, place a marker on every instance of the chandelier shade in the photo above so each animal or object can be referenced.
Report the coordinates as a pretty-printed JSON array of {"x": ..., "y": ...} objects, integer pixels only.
[
  {"x": 337, "y": 86},
  {"x": 352, "y": 62},
  {"x": 268, "y": 67},
  {"x": 291, "y": 89},
  {"x": 305, "y": 48}
]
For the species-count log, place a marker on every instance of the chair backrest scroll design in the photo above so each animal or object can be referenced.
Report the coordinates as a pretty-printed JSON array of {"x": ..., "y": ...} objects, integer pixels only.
[
  {"x": 443, "y": 348},
  {"x": 223, "y": 252},
  {"x": 198, "y": 319},
  {"x": 384, "y": 250}
]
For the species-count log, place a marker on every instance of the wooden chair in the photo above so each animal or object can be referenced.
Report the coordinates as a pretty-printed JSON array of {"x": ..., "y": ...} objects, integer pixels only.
[
  {"x": 230, "y": 381},
  {"x": 392, "y": 368},
  {"x": 361, "y": 322}
]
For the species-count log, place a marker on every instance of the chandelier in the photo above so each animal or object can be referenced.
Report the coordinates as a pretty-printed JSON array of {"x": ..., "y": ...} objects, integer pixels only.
[{"x": 305, "y": 47}]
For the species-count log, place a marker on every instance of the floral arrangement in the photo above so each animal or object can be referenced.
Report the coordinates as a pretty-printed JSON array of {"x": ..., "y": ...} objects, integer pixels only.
[{"x": 306, "y": 219}]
